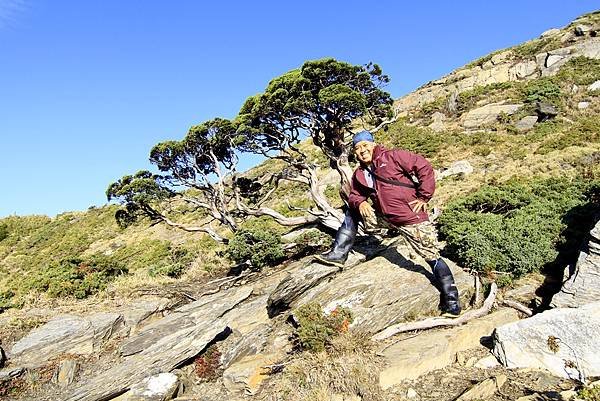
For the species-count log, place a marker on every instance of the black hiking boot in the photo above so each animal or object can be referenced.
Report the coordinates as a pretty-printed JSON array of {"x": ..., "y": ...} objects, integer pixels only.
[
  {"x": 337, "y": 256},
  {"x": 443, "y": 275}
]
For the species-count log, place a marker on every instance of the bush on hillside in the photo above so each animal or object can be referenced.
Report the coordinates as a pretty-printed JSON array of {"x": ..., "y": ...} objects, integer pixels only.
[
  {"x": 520, "y": 226},
  {"x": 316, "y": 329},
  {"x": 423, "y": 141},
  {"x": 580, "y": 71},
  {"x": 77, "y": 277},
  {"x": 260, "y": 247},
  {"x": 3, "y": 232},
  {"x": 542, "y": 90}
]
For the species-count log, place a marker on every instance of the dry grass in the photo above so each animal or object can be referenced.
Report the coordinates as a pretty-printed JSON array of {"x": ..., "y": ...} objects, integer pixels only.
[{"x": 349, "y": 367}]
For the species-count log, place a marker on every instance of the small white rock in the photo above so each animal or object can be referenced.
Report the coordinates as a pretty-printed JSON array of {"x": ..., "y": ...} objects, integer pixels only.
[
  {"x": 594, "y": 87},
  {"x": 583, "y": 105},
  {"x": 411, "y": 393},
  {"x": 488, "y": 362}
]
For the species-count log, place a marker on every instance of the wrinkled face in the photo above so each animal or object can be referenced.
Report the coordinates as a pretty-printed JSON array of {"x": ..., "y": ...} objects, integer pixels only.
[{"x": 364, "y": 151}]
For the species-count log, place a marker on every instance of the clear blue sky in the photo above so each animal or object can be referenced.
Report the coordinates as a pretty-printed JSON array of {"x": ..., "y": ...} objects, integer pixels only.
[{"x": 88, "y": 87}]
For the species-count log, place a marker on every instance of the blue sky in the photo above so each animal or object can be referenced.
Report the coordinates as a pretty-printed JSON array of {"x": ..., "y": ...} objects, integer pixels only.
[{"x": 88, "y": 87}]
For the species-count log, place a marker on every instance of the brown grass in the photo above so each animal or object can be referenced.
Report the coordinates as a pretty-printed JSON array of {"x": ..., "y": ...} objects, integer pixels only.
[{"x": 349, "y": 367}]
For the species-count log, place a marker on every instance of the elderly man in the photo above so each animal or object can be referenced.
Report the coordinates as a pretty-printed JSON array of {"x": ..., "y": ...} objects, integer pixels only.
[{"x": 399, "y": 184}]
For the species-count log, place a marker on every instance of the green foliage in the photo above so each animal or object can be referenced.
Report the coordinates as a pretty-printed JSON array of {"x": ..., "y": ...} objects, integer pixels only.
[
  {"x": 258, "y": 246},
  {"x": 589, "y": 393},
  {"x": 415, "y": 139},
  {"x": 76, "y": 277},
  {"x": 533, "y": 47},
  {"x": 322, "y": 98},
  {"x": 3, "y": 232},
  {"x": 579, "y": 70},
  {"x": 316, "y": 329},
  {"x": 518, "y": 227},
  {"x": 542, "y": 90},
  {"x": 584, "y": 132}
]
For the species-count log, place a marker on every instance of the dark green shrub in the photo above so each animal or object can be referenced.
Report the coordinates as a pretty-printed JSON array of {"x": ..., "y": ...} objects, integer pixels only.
[
  {"x": 3, "y": 232},
  {"x": 315, "y": 328},
  {"x": 260, "y": 247},
  {"x": 542, "y": 90},
  {"x": 518, "y": 227},
  {"x": 173, "y": 264}
]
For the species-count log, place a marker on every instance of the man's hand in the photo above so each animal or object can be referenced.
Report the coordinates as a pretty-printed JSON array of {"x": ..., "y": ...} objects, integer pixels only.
[
  {"x": 366, "y": 211},
  {"x": 417, "y": 205}
]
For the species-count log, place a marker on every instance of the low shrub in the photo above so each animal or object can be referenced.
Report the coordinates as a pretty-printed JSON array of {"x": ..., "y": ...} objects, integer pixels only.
[
  {"x": 519, "y": 226},
  {"x": 76, "y": 277},
  {"x": 582, "y": 133},
  {"x": 3, "y": 232},
  {"x": 415, "y": 139},
  {"x": 542, "y": 90},
  {"x": 207, "y": 366},
  {"x": 580, "y": 71},
  {"x": 260, "y": 247},
  {"x": 316, "y": 329}
]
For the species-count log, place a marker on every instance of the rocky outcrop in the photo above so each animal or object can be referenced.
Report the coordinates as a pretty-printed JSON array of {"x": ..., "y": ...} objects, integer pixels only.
[
  {"x": 461, "y": 167},
  {"x": 429, "y": 351},
  {"x": 385, "y": 290},
  {"x": 161, "y": 387},
  {"x": 564, "y": 341},
  {"x": 526, "y": 123},
  {"x": 487, "y": 114},
  {"x": 164, "y": 345},
  {"x": 65, "y": 334},
  {"x": 583, "y": 286}
]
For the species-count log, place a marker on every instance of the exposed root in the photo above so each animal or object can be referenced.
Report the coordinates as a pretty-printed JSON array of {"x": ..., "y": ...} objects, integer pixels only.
[
  {"x": 518, "y": 306},
  {"x": 439, "y": 322}
]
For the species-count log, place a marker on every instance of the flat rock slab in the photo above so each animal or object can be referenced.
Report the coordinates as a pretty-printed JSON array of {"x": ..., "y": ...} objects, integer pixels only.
[
  {"x": 583, "y": 286},
  {"x": 385, "y": 290},
  {"x": 413, "y": 357},
  {"x": 65, "y": 334},
  {"x": 572, "y": 333},
  {"x": 164, "y": 345}
]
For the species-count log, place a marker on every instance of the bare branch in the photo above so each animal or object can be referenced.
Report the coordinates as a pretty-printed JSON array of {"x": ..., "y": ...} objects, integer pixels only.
[{"x": 440, "y": 322}]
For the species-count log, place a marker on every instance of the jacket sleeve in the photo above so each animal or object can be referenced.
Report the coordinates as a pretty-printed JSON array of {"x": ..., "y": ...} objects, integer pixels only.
[
  {"x": 420, "y": 167},
  {"x": 356, "y": 197}
]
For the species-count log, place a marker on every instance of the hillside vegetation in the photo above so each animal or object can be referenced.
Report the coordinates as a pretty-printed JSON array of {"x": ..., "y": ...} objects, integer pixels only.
[{"x": 533, "y": 194}]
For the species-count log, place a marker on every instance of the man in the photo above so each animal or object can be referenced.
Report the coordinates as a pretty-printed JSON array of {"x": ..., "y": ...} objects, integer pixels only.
[{"x": 386, "y": 178}]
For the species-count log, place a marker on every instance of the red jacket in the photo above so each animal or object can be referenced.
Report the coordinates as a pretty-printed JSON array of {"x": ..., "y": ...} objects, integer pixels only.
[{"x": 390, "y": 200}]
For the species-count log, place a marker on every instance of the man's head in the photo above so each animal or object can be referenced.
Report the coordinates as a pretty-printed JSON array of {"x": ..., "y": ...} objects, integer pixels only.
[{"x": 363, "y": 146}]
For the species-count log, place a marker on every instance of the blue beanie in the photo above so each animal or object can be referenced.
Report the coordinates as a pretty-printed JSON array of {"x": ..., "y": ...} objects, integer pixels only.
[{"x": 362, "y": 136}]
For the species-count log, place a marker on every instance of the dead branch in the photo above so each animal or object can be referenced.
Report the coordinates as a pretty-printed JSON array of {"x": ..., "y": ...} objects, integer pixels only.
[
  {"x": 518, "y": 306},
  {"x": 439, "y": 322},
  {"x": 477, "y": 301}
]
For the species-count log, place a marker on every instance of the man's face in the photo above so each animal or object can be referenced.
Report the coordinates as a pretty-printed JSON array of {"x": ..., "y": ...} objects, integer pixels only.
[{"x": 364, "y": 151}]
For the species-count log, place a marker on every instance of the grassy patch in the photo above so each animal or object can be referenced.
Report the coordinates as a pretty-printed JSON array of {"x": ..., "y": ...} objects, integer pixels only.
[
  {"x": 415, "y": 139},
  {"x": 580, "y": 71},
  {"x": 582, "y": 133}
]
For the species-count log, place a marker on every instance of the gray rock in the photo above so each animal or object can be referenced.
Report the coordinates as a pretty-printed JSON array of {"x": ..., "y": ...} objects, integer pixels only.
[
  {"x": 483, "y": 390},
  {"x": 161, "y": 387},
  {"x": 296, "y": 283},
  {"x": 545, "y": 111},
  {"x": 487, "y": 114},
  {"x": 583, "y": 105},
  {"x": 163, "y": 345},
  {"x": 552, "y": 59},
  {"x": 583, "y": 285},
  {"x": 65, "y": 334},
  {"x": 550, "y": 32},
  {"x": 65, "y": 372},
  {"x": 385, "y": 290},
  {"x": 581, "y": 30},
  {"x": 438, "y": 122},
  {"x": 594, "y": 87},
  {"x": 458, "y": 167},
  {"x": 526, "y": 123},
  {"x": 572, "y": 333},
  {"x": 522, "y": 70},
  {"x": 436, "y": 349}
]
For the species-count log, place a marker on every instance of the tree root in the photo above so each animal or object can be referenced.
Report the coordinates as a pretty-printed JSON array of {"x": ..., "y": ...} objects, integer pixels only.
[
  {"x": 518, "y": 306},
  {"x": 440, "y": 322}
]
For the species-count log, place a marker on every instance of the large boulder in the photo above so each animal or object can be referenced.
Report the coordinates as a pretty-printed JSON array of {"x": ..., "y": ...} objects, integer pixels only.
[
  {"x": 583, "y": 286},
  {"x": 564, "y": 341},
  {"x": 411, "y": 358},
  {"x": 388, "y": 289}
]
